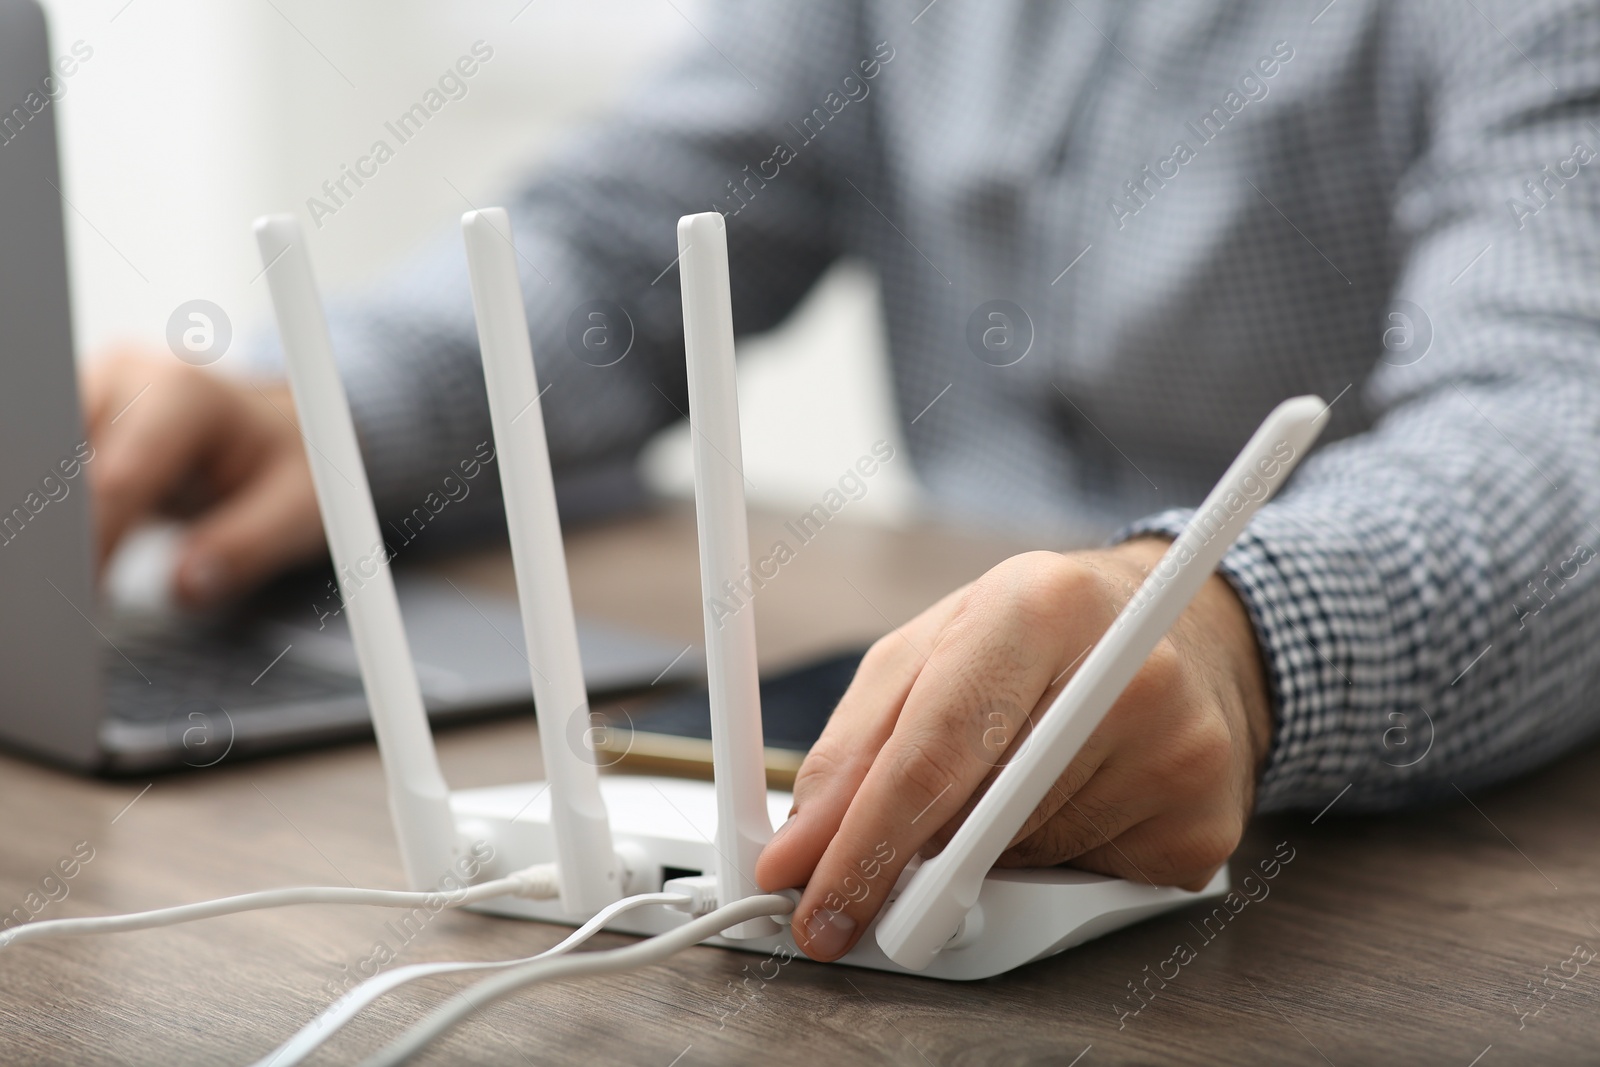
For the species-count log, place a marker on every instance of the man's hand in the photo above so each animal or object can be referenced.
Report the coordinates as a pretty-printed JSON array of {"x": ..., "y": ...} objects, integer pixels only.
[
  {"x": 1160, "y": 793},
  {"x": 174, "y": 439}
]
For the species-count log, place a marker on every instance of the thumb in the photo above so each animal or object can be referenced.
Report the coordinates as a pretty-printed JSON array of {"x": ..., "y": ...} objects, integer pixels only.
[{"x": 270, "y": 523}]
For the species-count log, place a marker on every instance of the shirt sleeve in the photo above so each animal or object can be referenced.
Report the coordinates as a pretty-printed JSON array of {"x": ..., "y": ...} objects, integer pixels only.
[
  {"x": 1426, "y": 594},
  {"x": 597, "y": 248}
]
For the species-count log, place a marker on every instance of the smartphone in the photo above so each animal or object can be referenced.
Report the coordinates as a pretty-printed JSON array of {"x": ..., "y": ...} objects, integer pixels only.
[{"x": 673, "y": 735}]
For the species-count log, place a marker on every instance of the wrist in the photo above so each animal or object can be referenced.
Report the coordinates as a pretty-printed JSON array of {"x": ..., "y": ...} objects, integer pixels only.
[{"x": 1218, "y": 624}]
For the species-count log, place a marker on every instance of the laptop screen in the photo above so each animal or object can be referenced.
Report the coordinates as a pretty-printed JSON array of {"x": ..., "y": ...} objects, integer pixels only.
[{"x": 49, "y": 682}]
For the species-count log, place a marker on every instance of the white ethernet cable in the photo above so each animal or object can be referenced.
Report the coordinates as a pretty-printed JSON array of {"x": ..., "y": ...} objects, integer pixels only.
[
  {"x": 609, "y": 961},
  {"x": 313, "y": 1034},
  {"x": 537, "y": 882}
]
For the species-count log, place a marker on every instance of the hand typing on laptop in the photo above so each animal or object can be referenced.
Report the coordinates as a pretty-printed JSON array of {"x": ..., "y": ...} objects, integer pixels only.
[{"x": 170, "y": 438}]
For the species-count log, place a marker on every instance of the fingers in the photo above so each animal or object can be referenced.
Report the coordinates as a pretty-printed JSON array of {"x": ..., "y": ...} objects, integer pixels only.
[
  {"x": 994, "y": 657},
  {"x": 834, "y": 768},
  {"x": 145, "y": 448},
  {"x": 268, "y": 524},
  {"x": 1114, "y": 800},
  {"x": 857, "y": 730},
  {"x": 1050, "y": 829},
  {"x": 172, "y": 437},
  {"x": 1002, "y": 741},
  {"x": 1169, "y": 849},
  {"x": 98, "y": 388},
  {"x": 1164, "y": 813}
]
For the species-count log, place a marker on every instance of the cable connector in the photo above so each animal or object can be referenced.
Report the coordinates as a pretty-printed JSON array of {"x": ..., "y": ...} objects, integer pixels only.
[
  {"x": 539, "y": 882},
  {"x": 701, "y": 889}
]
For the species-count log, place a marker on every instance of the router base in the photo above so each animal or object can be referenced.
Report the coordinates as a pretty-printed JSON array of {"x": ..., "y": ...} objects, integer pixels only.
[{"x": 1022, "y": 915}]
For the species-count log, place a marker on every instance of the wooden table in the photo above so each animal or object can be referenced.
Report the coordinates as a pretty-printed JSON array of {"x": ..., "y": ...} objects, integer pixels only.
[{"x": 1405, "y": 939}]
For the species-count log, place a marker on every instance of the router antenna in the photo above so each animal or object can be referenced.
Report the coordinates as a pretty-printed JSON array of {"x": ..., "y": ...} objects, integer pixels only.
[
  {"x": 930, "y": 910},
  {"x": 419, "y": 800},
  {"x": 743, "y": 826},
  {"x": 586, "y": 861}
]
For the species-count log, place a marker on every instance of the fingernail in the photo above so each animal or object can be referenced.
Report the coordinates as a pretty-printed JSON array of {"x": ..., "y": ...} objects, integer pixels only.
[
  {"x": 828, "y": 934},
  {"x": 786, "y": 824}
]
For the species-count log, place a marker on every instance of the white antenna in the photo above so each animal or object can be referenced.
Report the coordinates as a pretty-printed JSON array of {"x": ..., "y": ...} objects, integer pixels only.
[
  {"x": 743, "y": 825},
  {"x": 584, "y": 854},
  {"x": 419, "y": 801},
  {"x": 934, "y": 902}
]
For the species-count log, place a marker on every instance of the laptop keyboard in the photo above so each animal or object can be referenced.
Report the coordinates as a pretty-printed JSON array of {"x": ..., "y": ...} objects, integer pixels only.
[{"x": 148, "y": 680}]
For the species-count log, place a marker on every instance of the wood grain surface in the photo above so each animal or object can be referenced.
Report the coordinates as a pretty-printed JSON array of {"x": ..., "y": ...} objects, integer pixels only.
[{"x": 1444, "y": 936}]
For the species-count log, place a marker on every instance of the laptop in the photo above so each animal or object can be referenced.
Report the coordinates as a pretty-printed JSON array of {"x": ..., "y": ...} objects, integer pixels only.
[{"x": 85, "y": 688}]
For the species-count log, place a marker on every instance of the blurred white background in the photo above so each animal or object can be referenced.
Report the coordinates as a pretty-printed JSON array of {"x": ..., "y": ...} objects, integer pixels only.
[{"x": 194, "y": 117}]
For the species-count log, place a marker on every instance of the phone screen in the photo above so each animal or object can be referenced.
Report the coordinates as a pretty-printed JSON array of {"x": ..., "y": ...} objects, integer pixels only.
[{"x": 674, "y": 734}]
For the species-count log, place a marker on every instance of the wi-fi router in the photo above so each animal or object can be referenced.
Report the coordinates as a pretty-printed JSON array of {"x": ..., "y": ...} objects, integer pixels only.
[{"x": 950, "y": 917}]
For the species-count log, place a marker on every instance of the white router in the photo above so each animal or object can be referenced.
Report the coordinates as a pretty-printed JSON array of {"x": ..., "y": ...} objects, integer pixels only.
[{"x": 950, "y": 917}]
